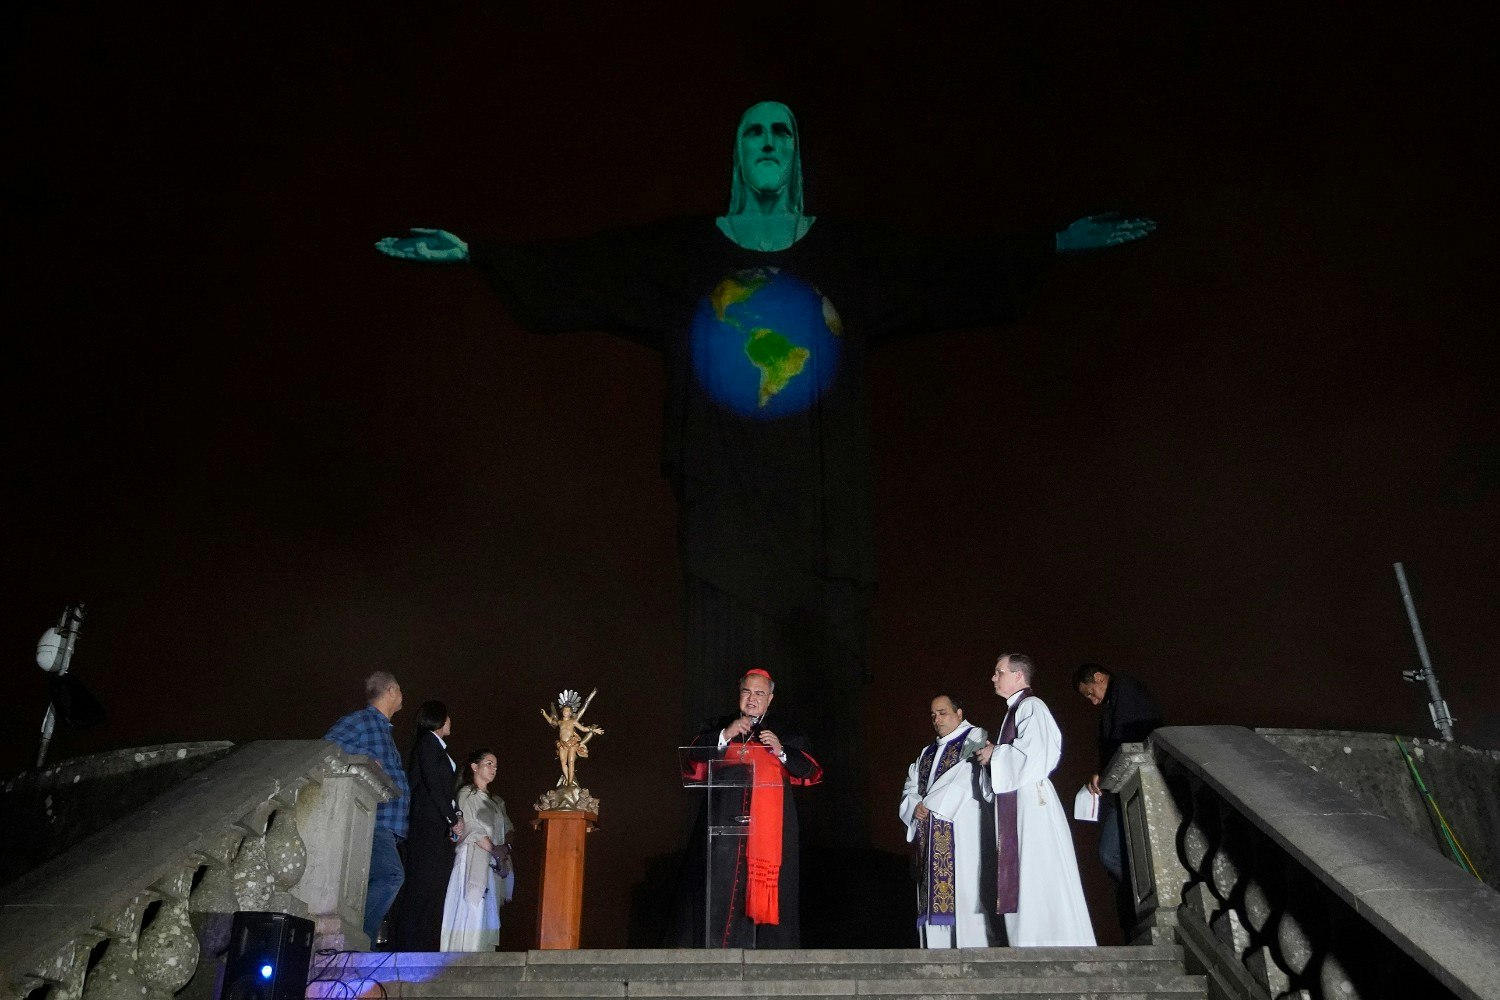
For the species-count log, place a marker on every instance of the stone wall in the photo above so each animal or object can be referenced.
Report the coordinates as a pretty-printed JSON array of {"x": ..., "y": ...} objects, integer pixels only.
[
  {"x": 43, "y": 813},
  {"x": 1464, "y": 781}
]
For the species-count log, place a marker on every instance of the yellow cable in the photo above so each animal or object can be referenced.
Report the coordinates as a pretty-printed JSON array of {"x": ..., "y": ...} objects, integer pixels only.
[{"x": 1454, "y": 837}]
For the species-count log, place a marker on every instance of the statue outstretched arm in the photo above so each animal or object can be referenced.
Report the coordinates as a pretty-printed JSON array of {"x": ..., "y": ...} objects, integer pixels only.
[
  {"x": 437, "y": 246},
  {"x": 1096, "y": 232}
]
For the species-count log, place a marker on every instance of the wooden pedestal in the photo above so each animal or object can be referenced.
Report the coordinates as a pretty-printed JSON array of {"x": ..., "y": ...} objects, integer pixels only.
[{"x": 561, "y": 909}]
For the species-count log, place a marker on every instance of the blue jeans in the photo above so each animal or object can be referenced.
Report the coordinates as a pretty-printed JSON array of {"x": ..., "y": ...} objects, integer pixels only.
[
  {"x": 386, "y": 876},
  {"x": 1111, "y": 834}
]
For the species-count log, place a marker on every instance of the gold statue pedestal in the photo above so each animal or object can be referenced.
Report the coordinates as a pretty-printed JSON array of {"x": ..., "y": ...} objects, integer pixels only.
[{"x": 561, "y": 911}]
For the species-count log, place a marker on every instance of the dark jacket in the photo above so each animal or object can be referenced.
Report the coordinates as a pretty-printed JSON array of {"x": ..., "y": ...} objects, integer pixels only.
[{"x": 1127, "y": 715}]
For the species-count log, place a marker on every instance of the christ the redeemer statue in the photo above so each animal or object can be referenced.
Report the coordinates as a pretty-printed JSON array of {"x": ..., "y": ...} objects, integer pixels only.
[{"x": 764, "y": 318}]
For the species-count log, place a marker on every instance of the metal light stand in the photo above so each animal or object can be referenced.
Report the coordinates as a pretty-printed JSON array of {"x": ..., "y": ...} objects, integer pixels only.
[
  {"x": 1436, "y": 706},
  {"x": 54, "y": 654}
]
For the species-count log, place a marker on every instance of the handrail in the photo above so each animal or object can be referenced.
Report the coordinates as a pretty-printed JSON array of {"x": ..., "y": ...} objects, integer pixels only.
[
  {"x": 260, "y": 829},
  {"x": 1289, "y": 879}
]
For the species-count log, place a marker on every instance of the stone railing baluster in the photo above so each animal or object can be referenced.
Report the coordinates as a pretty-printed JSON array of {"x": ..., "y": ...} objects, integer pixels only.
[
  {"x": 1300, "y": 928},
  {"x": 213, "y": 901},
  {"x": 286, "y": 856},
  {"x": 114, "y": 976},
  {"x": 167, "y": 955},
  {"x": 1264, "y": 899},
  {"x": 1230, "y": 869},
  {"x": 1292, "y": 888},
  {"x": 274, "y": 825}
]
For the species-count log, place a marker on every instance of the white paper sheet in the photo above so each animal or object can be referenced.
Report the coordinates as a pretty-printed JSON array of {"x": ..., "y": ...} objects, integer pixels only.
[{"x": 1086, "y": 805}]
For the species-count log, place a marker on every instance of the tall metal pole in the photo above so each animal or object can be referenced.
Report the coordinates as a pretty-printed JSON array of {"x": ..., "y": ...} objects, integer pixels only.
[{"x": 1436, "y": 706}]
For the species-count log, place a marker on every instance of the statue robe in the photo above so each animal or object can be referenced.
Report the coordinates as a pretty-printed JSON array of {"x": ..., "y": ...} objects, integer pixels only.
[{"x": 776, "y": 528}]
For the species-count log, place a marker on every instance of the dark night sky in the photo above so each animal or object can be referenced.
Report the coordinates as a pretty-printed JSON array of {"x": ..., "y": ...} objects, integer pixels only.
[{"x": 272, "y": 460}]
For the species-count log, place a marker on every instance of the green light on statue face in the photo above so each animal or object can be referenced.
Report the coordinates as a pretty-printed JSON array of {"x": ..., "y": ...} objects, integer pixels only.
[
  {"x": 767, "y": 147},
  {"x": 765, "y": 191}
]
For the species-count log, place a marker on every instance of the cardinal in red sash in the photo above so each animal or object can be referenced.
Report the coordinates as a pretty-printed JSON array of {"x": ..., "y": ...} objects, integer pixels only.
[{"x": 740, "y": 885}]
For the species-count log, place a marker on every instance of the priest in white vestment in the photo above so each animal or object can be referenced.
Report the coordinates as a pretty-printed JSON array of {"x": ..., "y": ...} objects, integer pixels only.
[
  {"x": 942, "y": 808},
  {"x": 1037, "y": 885}
]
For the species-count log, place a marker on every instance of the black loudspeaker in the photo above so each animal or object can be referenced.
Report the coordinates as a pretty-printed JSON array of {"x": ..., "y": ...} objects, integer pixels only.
[{"x": 268, "y": 957}]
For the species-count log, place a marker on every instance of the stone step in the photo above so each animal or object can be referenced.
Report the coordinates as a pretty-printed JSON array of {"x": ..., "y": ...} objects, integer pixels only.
[
  {"x": 1177, "y": 987},
  {"x": 1120, "y": 973},
  {"x": 639, "y": 965}
]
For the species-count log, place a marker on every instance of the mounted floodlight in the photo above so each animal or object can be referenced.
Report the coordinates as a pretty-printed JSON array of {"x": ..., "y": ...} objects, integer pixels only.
[
  {"x": 49, "y": 651},
  {"x": 66, "y": 695}
]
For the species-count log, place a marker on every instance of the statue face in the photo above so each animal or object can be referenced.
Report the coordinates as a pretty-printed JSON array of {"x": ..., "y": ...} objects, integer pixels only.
[{"x": 767, "y": 147}]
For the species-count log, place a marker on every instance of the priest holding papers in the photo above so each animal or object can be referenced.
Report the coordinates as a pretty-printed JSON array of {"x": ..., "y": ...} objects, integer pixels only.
[
  {"x": 1037, "y": 886},
  {"x": 942, "y": 807}
]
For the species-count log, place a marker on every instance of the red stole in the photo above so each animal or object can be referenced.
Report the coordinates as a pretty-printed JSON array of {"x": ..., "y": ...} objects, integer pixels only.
[
  {"x": 1007, "y": 842},
  {"x": 763, "y": 847}
]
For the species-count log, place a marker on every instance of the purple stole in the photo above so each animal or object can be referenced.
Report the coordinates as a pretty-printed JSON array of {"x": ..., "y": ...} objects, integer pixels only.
[
  {"x": 1007, "y": 843},
  {"x": 937, "y": 899}
]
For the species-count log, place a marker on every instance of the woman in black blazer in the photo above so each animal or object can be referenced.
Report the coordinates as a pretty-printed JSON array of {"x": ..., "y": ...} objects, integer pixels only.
[{"x": 429, "y": 845}]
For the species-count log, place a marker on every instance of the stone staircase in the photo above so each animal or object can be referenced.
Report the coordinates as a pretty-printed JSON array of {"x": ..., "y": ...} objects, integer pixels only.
[{"x": 1121, "y": 973}]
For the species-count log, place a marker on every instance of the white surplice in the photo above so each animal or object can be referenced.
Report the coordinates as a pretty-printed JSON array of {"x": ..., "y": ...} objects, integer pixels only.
[
  {"x": 471, "y": 913},
  {"x": 1051, "y": 910},
  {"x": 954, "y": 797}
]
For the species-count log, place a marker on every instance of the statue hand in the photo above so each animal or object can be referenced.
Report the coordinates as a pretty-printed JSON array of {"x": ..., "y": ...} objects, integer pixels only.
[
  {"x": 1094, "y": 232},
  {"x": 437, "y": 246}
]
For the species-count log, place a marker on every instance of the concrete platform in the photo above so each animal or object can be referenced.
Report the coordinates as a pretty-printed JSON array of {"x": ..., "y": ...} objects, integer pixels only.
[{"x": 1125, "y": 973}]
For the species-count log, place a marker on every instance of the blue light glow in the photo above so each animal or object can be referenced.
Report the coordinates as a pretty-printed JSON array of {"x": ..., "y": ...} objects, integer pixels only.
[{"x": 266, "y": 971}]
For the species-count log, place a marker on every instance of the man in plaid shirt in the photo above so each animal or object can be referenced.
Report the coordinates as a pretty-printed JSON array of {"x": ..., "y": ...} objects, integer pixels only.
[{"x": 368, "y": 732}]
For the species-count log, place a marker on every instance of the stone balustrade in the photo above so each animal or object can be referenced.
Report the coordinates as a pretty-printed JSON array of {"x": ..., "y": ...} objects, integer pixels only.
[
  {"x": 1281, "y": 884},
  {"x": 133, "y": 911}
]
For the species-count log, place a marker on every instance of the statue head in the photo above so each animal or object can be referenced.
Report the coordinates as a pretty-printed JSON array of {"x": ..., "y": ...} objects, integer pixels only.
[{"x": 767, "y": 158}]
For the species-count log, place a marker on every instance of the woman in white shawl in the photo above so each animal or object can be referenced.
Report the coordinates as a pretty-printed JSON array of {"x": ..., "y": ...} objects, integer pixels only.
[{"x": 483, "y": 878}]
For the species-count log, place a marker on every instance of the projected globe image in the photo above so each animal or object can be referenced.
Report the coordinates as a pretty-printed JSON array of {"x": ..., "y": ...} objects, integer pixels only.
[{"x": 765, "y": 343}]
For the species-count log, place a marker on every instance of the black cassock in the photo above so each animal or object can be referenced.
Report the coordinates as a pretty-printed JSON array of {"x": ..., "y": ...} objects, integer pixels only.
[
  {"x": 776, "y": 530},
  {"x": 727, "y": 926}
]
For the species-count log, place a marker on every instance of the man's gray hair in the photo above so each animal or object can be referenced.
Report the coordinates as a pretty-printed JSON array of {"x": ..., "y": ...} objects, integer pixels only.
[
  {"x": 1021, "y": 664},
  {"x": 378, "y": 684}
]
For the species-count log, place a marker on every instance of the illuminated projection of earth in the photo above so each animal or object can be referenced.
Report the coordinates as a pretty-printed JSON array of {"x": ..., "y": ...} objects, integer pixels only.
[{"x": 765, "y": 343}]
